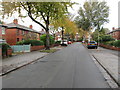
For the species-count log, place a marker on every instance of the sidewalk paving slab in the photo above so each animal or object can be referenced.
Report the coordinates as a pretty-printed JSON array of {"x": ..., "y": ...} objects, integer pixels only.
[{"x": 109, "y": 61}]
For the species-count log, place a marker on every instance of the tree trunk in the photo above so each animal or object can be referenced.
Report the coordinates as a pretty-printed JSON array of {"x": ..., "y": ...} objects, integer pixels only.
[
  {"x": 47, "y": 40},
  {"x": 62, "y": 35}
]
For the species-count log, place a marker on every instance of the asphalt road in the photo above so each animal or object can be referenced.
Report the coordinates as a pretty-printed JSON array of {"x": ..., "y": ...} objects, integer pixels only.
[{"x": 71, "y": 67}]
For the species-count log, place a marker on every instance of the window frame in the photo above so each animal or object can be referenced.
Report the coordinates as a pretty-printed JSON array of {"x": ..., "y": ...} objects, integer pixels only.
[{"x": 3, "y": 31}]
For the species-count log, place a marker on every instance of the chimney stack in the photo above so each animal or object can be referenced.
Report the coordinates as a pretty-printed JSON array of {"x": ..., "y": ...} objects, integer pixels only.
[
  {"x": 15, "y": 21},
  {"x": 30, "y": 26}
]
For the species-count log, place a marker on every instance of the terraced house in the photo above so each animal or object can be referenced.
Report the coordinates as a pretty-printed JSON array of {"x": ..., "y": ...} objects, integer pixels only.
[
  {"x": 115, "y": 33},
  {"x": 14, "y": 32}
]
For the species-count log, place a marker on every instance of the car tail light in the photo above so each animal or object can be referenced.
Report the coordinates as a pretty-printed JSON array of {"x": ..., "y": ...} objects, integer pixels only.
[{"x": 96, "y": 44}]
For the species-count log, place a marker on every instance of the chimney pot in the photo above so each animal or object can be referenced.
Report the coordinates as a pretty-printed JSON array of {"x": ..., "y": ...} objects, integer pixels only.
[
  {"x": 15, "y": 21},
  {"x": 30, "y": 26},
  {"x": 113, "y": 28}
]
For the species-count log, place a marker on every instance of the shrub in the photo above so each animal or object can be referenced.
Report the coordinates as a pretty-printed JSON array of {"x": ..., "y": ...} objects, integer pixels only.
[
  {"x": 43, "y": 38},
  {"x": 20, "y": 43},
  {"x": 32, "y": 42},
  {"x": 105, "y": 38},
  {"x": 4, "y": 47},
  {"x": 113, "y": 43},
  {"x": 80, "y": 39},
  {"x": 116, "y": 43}
]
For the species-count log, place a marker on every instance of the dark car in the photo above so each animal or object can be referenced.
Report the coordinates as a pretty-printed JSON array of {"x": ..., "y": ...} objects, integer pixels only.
[{"x": 92, "y": 44}]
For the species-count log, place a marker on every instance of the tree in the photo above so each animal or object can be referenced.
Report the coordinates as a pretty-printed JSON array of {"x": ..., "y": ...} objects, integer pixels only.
[
  {"x": 43, "y": 38},
  {"x": 101, "y": 33},
  {"x": 37, "y": 11},
  {"x": 70, "y": 28},
  {"x": 92, "y": 15},
  {"x": 1, "y": 22},
  {"x": 30, "y": 36}
]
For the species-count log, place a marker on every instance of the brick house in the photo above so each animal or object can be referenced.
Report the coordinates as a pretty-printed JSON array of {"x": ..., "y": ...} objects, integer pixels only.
[
  {"x": 14, "y": 33},
  {"x": 115, "y": 33}
]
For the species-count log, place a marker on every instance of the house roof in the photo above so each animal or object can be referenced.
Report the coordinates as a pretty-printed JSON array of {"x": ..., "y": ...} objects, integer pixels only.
[
  {"x": 12, "y": 25},
  {"x": 114, "y": 30},
  {"x": 42, "y": 32}
]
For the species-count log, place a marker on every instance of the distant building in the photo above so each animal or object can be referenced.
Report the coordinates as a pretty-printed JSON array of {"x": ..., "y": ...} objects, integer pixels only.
[
  {"x": 115, "y": 33},
  {"x": 42, "y": 32},
  {"x": 14, "y": 32},
  {"x": 58, "y": 36}
]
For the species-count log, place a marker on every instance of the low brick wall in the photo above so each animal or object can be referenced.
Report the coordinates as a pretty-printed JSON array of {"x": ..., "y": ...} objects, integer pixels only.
[
  {"x": 9, "y": 52},
  {"x": 35, "y": 48},
  {"x": 56, "y": 45},
  {"x": 110, "y": 47}
]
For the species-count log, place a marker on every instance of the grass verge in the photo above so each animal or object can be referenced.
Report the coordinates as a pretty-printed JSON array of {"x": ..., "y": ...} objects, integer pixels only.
[{"x": 49, "y": 51}]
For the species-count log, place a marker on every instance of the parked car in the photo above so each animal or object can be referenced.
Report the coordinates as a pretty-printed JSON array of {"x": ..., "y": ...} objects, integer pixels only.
[
  {"x": 92, "y": 44},
  {"x": 69, "y": 42},
  {"x": 64, "y": 43},
  {"x": 83, "y": 41}
]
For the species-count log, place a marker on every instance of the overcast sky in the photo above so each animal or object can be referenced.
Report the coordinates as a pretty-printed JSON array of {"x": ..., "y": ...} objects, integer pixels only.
[{"x": 113, "y": 16}]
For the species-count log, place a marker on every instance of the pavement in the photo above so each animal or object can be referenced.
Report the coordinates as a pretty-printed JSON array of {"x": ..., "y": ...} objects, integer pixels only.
[
  {"x": 15, "y": 62},
  {"x": 109, "y": 59},
  {"x": 71, "y": 67}
]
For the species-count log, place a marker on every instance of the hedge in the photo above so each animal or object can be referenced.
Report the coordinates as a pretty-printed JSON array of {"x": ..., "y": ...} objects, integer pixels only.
[
  {"x": 105, "y": 38},
  {"x": 116, "y": 43},
  {"x": 112, "y": 43},
  {"x": 32, "y": 42}
]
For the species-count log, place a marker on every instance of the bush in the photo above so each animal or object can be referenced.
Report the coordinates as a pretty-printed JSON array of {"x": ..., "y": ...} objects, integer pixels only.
[
  {"x": 32, "y": 42},
  {"x": 113, "y": 43},
  {"x": 43, "y": 38},
  {"x": 4, "y": 47},
  {"x": 20, "y": 43},
  {"x": 80, "y": 39},
  {"x": 116, "y": 43},
  {"x": 105, "y": 38}
]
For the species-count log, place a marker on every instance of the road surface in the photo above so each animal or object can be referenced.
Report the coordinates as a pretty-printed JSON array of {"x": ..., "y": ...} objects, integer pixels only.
[{"x": 71, "y": 67}]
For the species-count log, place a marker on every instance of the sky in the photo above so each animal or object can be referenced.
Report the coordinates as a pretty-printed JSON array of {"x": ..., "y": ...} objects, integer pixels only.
[{"x": 113, "y": 15}]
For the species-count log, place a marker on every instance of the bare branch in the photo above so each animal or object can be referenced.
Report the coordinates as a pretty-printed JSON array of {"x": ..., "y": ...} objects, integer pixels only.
[
  {"x": 23, "y": 6},
  {"x": 30, "y": 15},
  {"x": 43, "y": 16},
  {"x": 36, "y": 21}
]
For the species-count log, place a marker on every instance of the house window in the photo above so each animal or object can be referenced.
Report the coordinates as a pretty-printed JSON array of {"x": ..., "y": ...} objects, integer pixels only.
[
  {"x": 26, "y": 32},
  {"x": 3, "y": 30},
  {"x": 17, "y": 39},
  {"x": 23, "y": 32},
  {"x": 18, "y": 32}
]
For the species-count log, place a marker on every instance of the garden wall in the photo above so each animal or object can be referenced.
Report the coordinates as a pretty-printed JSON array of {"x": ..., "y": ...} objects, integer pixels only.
[
  {"x": 110, "y": 47},
  {"x": 35, "y": 48}
]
